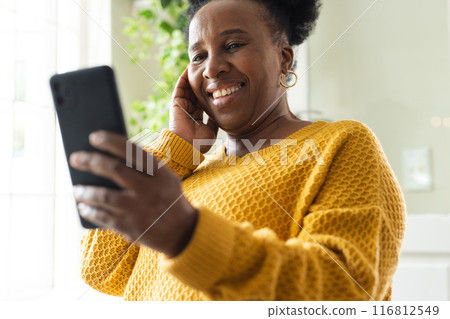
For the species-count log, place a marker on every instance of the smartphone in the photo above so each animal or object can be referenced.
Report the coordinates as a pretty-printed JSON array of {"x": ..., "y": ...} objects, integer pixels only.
[{"x": 86, "y": 101}]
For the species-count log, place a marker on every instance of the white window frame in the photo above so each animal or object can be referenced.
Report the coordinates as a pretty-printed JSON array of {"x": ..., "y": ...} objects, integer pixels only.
[{"x": 62, "y": 279}]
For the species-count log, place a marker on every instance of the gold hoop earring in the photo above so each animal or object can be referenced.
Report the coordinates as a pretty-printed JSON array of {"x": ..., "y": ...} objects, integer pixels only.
[{"x": 289, "y": 86}]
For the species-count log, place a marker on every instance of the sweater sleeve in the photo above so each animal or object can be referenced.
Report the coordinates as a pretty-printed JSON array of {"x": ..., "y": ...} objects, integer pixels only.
[
  {"x": 107, "y": 259},
  {"x": 346, "y": 246},
  {"x": 179, "y": 155}
]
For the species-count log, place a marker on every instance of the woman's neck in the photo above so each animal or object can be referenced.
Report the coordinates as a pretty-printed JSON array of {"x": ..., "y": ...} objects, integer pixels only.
[{"x": 275, "y": 126}]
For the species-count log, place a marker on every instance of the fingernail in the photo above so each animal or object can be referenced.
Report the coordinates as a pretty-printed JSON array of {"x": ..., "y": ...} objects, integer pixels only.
[
  {"x": 78, "y": 191},
  {"x": 97, "y": 137},
  {"x": 78, "y": 158},
  {"x": 82, "y": 207}
]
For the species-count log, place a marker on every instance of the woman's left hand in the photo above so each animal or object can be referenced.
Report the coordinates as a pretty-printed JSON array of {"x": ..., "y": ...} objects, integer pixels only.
[{"x": 150, "y": 209}]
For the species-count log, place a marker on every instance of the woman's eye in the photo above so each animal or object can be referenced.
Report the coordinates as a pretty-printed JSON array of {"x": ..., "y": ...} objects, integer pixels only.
[
  {"x": 197, "y": 58},
  {"x": 234, "y": 45}
]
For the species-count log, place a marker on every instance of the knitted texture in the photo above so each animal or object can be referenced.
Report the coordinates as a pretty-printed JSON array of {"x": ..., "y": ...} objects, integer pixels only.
[{"x": 317, "y": 216}]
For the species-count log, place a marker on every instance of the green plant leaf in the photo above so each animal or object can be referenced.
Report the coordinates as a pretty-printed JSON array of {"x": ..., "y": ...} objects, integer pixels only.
[
  {"x": 165, "y": 3},
  {"x": 184, "y": 57},
  {"x": 148, "y": 14},
  {"x": 164, "y": 25},
  {"x": 181, "y": 21}
]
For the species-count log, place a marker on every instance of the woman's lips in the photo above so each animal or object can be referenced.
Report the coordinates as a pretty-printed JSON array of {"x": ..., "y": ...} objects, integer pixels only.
[{"x": 224, "y": 100}]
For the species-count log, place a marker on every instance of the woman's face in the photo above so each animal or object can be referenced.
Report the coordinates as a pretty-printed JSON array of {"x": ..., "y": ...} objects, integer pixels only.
[{"x": 231, "y": 48}]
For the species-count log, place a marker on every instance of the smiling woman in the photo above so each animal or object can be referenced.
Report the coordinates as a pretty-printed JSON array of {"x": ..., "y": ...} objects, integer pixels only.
[
  {"x": 285, "y": 210},
  {"x": 239, "y": 44}
]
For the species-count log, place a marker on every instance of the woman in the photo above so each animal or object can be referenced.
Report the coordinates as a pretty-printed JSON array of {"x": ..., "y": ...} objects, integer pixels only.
[{"x": 285, "y": 210}]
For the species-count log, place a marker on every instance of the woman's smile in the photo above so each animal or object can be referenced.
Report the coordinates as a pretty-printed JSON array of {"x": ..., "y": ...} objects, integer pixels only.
[{"x": 223, "y": 96}]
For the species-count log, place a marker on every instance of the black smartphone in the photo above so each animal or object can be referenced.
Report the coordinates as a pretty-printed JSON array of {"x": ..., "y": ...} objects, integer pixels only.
[{"x": 86, "y": 101}]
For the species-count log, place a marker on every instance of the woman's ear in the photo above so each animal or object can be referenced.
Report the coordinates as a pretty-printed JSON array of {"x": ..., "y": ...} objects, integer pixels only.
[{"x": 287, "y": 57}]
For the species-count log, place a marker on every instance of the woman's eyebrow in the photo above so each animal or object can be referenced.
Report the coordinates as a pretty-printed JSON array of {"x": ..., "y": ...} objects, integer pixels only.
[
  {"x": 226, "y": 32},
  {"x": 232, "y": 31}
]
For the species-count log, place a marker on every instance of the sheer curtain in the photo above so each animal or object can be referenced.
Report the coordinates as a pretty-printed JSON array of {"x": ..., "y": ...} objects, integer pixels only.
[{"x": 39, "y": 228}]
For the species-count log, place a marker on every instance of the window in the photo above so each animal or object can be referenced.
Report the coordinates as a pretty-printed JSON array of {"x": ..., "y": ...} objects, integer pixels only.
[{"x": 40, "y": 231}]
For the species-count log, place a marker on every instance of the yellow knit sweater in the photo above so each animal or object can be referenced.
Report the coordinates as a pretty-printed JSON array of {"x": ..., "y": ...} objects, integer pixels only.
[{"x": 319, "y": 220}]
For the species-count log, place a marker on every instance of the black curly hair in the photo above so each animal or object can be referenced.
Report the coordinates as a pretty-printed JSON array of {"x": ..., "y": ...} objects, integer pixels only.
[{"x": 295, "y": 18}]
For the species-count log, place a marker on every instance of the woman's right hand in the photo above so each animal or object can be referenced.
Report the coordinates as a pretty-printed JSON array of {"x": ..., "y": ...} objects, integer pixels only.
[{"x": 186, "y": 115}]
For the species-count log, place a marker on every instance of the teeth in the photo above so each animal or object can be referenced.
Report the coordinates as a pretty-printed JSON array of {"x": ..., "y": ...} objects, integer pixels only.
[{"x": 224, "y": 92}]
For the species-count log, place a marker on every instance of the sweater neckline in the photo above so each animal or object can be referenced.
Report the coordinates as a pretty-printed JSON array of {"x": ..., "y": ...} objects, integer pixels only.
[{"x": 298, "y": 135}]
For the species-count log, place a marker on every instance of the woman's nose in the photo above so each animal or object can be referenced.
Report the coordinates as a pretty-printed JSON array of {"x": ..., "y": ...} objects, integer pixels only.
[{"x": 215, "y": 66}]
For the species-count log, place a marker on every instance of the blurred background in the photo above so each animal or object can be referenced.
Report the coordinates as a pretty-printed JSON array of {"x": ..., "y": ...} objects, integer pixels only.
[{"x": 383, "y": 63}]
